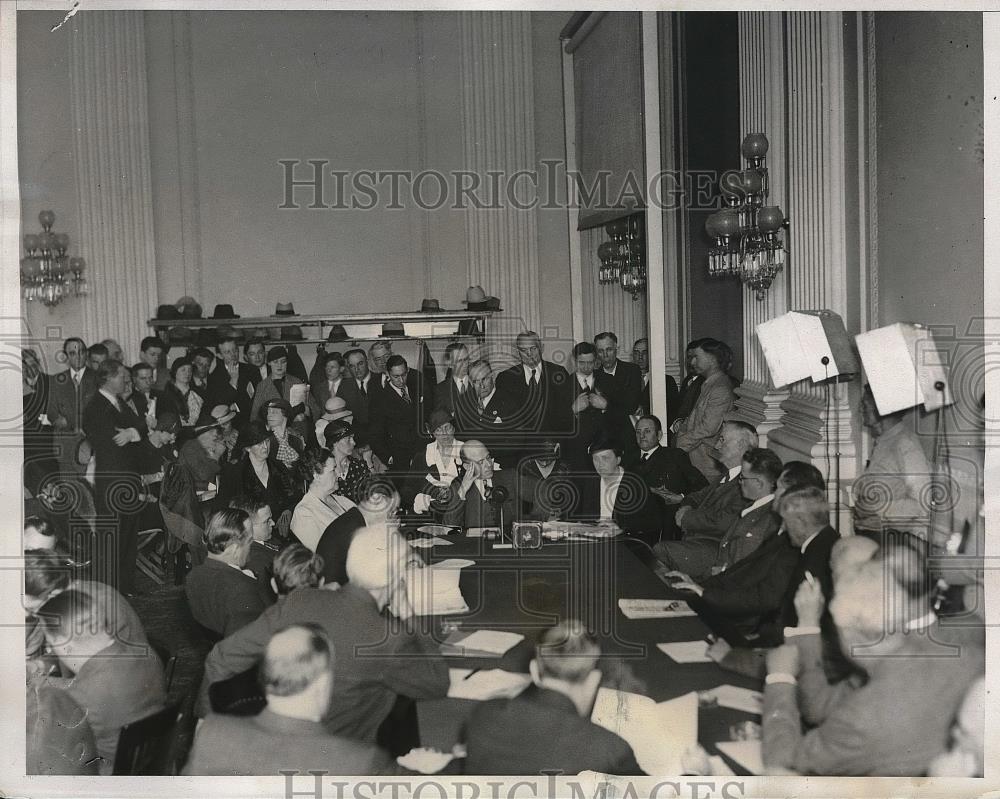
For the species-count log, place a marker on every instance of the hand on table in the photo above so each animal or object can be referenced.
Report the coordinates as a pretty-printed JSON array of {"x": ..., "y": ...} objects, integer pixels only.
[{"x": 678, "y": 576}]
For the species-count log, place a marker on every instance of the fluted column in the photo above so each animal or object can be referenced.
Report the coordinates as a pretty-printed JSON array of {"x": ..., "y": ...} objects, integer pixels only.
[
  {"x": 499, "y": 136},
  {"x": 762, "y": 110},
  {"x": 111, "y": 142}
]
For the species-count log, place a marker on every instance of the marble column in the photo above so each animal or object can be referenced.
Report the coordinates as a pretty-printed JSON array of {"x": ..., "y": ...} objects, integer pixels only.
[{"x": 109, "y": 113}]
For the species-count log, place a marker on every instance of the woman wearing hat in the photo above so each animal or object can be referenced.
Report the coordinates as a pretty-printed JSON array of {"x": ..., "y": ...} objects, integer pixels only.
[
  {"x": 320, "y": 505},
  {"x": 352, "y": 472},
  {"x": 224, "y": 415},
  {"x": 287, "y": 445},
  {"x": 202, "y": 453},
  {"x": 438, "y": 465},
  {"x": 257, "y": 474},
  {"x": 179, "y": 396}
]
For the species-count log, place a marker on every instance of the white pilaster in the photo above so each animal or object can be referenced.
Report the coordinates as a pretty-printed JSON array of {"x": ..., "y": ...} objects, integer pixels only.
[{"x": 111, "y": 139}]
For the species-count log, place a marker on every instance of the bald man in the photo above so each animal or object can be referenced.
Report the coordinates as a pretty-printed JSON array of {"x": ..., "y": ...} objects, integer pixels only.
[
  {"x": 298, "y": 677},
  {"x": 477, "y": 493}
]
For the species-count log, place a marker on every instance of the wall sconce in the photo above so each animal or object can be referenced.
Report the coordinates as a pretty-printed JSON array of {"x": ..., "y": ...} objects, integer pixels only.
[
  {"x": 47, "y": 273},
  {"x": 747, "y": 233},
  {"x": 623, "y": 258}
]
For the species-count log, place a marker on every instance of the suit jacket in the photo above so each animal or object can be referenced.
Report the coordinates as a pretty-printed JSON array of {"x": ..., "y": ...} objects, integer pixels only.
[
  {"x": 634, "y": 511},
  {"x": 746, "y": 534},
  {"x": 447, "y": 396},
  {"x": 627, "y": 387},
  {"x": 221, "y": 391},
  {"x": 474, "y": 510},
  {"x": 243, "y": 746},
  {"x": 116, "y": 687},
  {"x": 671, "y": 468},
  {"x": 320, "y": 389},
  {"x": 590, "y": 423},
  {"x": 687, "y": 395},
  {"x": 496, "y": 426},
  {"x": 360, "y": 405},
  {"x": 378, "y": 657},
  {"x": 544, "y": 498},
  {"x": 267, "y": 390},
  {"x": 673, "y": 399},
  {"x": 916, "y": 691},
  {"x": 222, "y": 598},
  {"x": 58, "y": 738},
  {"x": 281, "y": 493},
  {"x": 397, "y": 427},
  {"x": 69, "y": 401},
  {"x": 543, "y": 410},
  {"x": 114, "y": 465},
  {"x": 335, "y": 542},
  {"x": 699, "y": 431},
  {"x": 541, "y": 732}
]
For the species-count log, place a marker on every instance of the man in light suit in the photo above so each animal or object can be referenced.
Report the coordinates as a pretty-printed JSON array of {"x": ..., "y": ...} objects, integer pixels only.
[
  {"x": 298, "y": 676},
  {"x": 695, "y": 434}
]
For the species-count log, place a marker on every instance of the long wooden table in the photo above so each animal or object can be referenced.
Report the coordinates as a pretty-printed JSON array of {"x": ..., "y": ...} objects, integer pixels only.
[{"x": 527, "y": 591}]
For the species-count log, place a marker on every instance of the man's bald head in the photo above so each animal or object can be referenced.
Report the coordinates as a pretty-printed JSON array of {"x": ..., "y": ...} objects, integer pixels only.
[
  {"x": 474, "y": 451},
  {"x": 375, "y": 558},
  {"x": 295, "y": 658}
]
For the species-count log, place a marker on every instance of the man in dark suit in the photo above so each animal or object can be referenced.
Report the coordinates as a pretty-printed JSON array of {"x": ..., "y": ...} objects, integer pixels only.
[
  {"x": 450, "y": 392},
  {"x": 540, "y": 389},
  {"x": 667, "y": 471},
  {"x": 231, "y": 380},
  {"x": 70, "y": 393},
  {"x": 357, "y": 391},
  {"x": 151, "y": 352},
  {"x": 40, "y": 465},
  {"x": 547, "y": 728},
  {"x": 490, "y": 415},
  {"x": 640, "y": 357},
  {"x": 325, "y": 382},
  {"x": 626, "y": 377},
  {"x": 255, "y": 354},
  {"x": 398, "y": 415},
  {"x": 298, "y": 675},
  {"x": 705, "y": 515},
  {"x": 588, "y": 397},
  {"x": 618, "y": 494},
  {"x": 751, "y": 603},
  {"x": 690, "y": 387},
  {"x": 473, "y": 502},
  {"x": 546, "y": 487},
  {"x": 114, "y": 432},
  {"x": 377, "y": 506},
  {"x": 222, "y": 596}
]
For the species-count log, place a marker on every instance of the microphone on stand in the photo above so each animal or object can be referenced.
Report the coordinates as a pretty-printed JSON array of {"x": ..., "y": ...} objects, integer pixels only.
[{"x": 497, "y": 496}]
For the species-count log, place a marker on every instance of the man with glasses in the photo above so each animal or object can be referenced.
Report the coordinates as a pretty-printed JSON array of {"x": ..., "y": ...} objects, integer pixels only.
[
  {"x": 475, "y": 499},
  {"x": 264, "y": 546}
]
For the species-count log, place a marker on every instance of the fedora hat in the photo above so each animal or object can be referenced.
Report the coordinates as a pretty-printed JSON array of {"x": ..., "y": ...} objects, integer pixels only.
[
  {"x": 430, "y": 305},
  {"x": 284, "y": 309},
  {"x": 393, "y": 329},
  {"x": 189, "y": 308},
  {"x": 478, "y": 300},
  {"x": 293, "y": 333},
  {"x": 223, "y": 413},
  {"x": 224, "y": 312},
  {"x": 337, "y": 333},
  {"x": 167, "y": 312},
  {"x": 228, "y": 331},
  {"x": 205, "y": 423},
  {"x": 336, "y": 409}
]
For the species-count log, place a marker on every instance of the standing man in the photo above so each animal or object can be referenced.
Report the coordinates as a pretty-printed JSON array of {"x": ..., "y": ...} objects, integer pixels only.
[
  {"x": 589, "y": 392},
  {"x": 357, "y": 390},
  {"x": 151, "y": 353},
  {"x": 397, "y": 416},
  {"x": 231, "y": 380},
  {"x": 492, "y": 416},
  {"x": 379, "y": 354},
  {"x": 627, "y": 378},
  {"x": 455, "y": 387},
  {"x": 114, "y": 433},
  {"x": 70, "y": 393},
  {"x": 640, "y": 357}
]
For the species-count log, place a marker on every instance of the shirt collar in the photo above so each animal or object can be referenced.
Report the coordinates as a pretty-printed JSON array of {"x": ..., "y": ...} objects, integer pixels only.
[
  {"x": 611, "y": 371},
  {"x": 583, "y": 381},
  {"x": 486, "y": 400},
  {"x": 546, "y": 471},
  {"x": 527, "y": 372},
  {"x": 74, "y": 373},
  {"x": 808, "y": 541},
  {"x": 734, "y": 473},
  {"x": 111, "y": 398},
  {"x": 616, "y": 479},
  {"x": 649, "y": 452},
  {"x": 760, "y": 503}
]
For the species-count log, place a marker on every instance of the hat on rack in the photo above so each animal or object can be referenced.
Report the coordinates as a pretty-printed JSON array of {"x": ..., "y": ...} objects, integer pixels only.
[
  {"x": 167, "y": 312},
  {"x": 224, "y": 312},
  {"x": 180, "y": 337},
  {"x": 189, "y": 308},
  {"x": 337, "y": 333},
  {"x": 223, "y": 413},
  {"x": 393, "y": 329},
  {"x": 477, "y": 300},
  {"x": 429, "y": 306},
  {"x": 228, "y": 331},
  {"x": 284, "y": 309},
  {"x": 293, "y": 333}
]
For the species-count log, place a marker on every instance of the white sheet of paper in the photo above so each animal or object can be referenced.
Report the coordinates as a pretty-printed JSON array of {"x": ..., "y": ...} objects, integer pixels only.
[
  {"x": 486, "y": 684},
  {"x": 434, "y": 590},
  {"x": 654, "y": 608},
  {"x": 686, "y": 651},
  {"x": 747, "y": 753},
  {"x": 659, "y": 733},
  {"x": 297, "y": 393},
  {"x": 493, "y": 641},
  {"x": 427, "y": 543},
  {"x": 435, "y": 529},
  {"x": 739, "y": 698}
]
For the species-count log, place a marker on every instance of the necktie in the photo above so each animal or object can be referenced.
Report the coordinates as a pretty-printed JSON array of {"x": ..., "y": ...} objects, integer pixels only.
[
  {"x": 461, "y": 386},
  {"x": 533, "y": 383},
  {"x": 405, "y": 395},
  {"x": 645, "y": 455},
  {"x": 482, "y": 406},
  {"x": 76, "y": 380},
  {"x": 361, "y": 388}
]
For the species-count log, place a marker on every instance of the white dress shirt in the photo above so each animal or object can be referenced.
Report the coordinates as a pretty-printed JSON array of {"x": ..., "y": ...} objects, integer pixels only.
[
  {"x": 609, "y": 494},
  {"x": 585, "y": 382},
  {"x": 528, "y": 370}
]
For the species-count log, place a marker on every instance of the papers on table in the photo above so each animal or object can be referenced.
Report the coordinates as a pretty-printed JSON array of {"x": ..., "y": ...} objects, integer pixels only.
[
  {"x": 654, "y": 608},
  {"x": 424, "y": 760},
  {"x": 659, "y": 733},
  {"x": 482, "y": 642},
  {"x": 427, "y": 543},
  {"x": 479, "y": 532},
  {"x": 435, "y": 529},
  {"x": 559, "y": 530},
  {"x": 737, "y": 698},
  {"x": 686, "y": 651},
  {"x": 297, "y": 393},
  {"x": 486, "y": 684},
  {"x": 746, "y": 753},
  {"x": 434, "y": 590}
]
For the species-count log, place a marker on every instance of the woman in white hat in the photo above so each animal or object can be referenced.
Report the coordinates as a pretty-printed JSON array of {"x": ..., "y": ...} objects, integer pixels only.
[
  {"x": 334, "y": 410},
  {"x": 224, "y": 415}
]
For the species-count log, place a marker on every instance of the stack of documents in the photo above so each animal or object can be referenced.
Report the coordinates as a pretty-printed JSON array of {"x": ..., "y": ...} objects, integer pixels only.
[
  {"x": 659, "y": 733},
  {"x": 481, "y": 643},
  {"x": 427, "y": 543},
  {"x": 486, "y": 684},
  {"x": 434, "y": 590},
  {"x": 654, "y": 608}
]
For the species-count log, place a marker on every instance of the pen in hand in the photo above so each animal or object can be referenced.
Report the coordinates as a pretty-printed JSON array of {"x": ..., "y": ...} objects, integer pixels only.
[{"x": 474, "y": 671}]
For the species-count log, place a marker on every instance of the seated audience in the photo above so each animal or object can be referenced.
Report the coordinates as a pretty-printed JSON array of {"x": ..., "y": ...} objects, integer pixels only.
[
  {"x": 892, "y": 491},
  {"x": 201, "y": 455},
  {"x": 378, "y": 658},
  {"x": 223, "y": 595},
  {"x": 547, "y": 729},
  {"x": 264, "y": 545},
  {"x": 112, "y": 684},
  {"x": 319, "y": 506},
  {"x": 698, "y": 431},
  {"x": 259, "y": 475},
  {"x": 616, "y": 494},
  {"x": 666, "y": 471},
  {"x": 909, "y": 685},
  {"x": 378, "y": 503},
  {"x": 298, "y": 675},
  {"x": 706, "y": 514},
  {"x": 436, "y": 466},
  {"x": 352, "y": 471},
  {"x": 287, "y": 442},
  {"x": 472, "y": 501}
]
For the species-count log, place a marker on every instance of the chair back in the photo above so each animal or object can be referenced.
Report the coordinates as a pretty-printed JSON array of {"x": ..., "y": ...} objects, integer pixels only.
[
  {"x": 168, "y": 660},
  {"x": 145, "y": 746}
]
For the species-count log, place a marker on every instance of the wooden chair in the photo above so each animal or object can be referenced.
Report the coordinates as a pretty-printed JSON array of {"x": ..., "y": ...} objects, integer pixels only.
[
  {"x": 145, "y": 746},
  {"x": 168, "y": 660}
]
